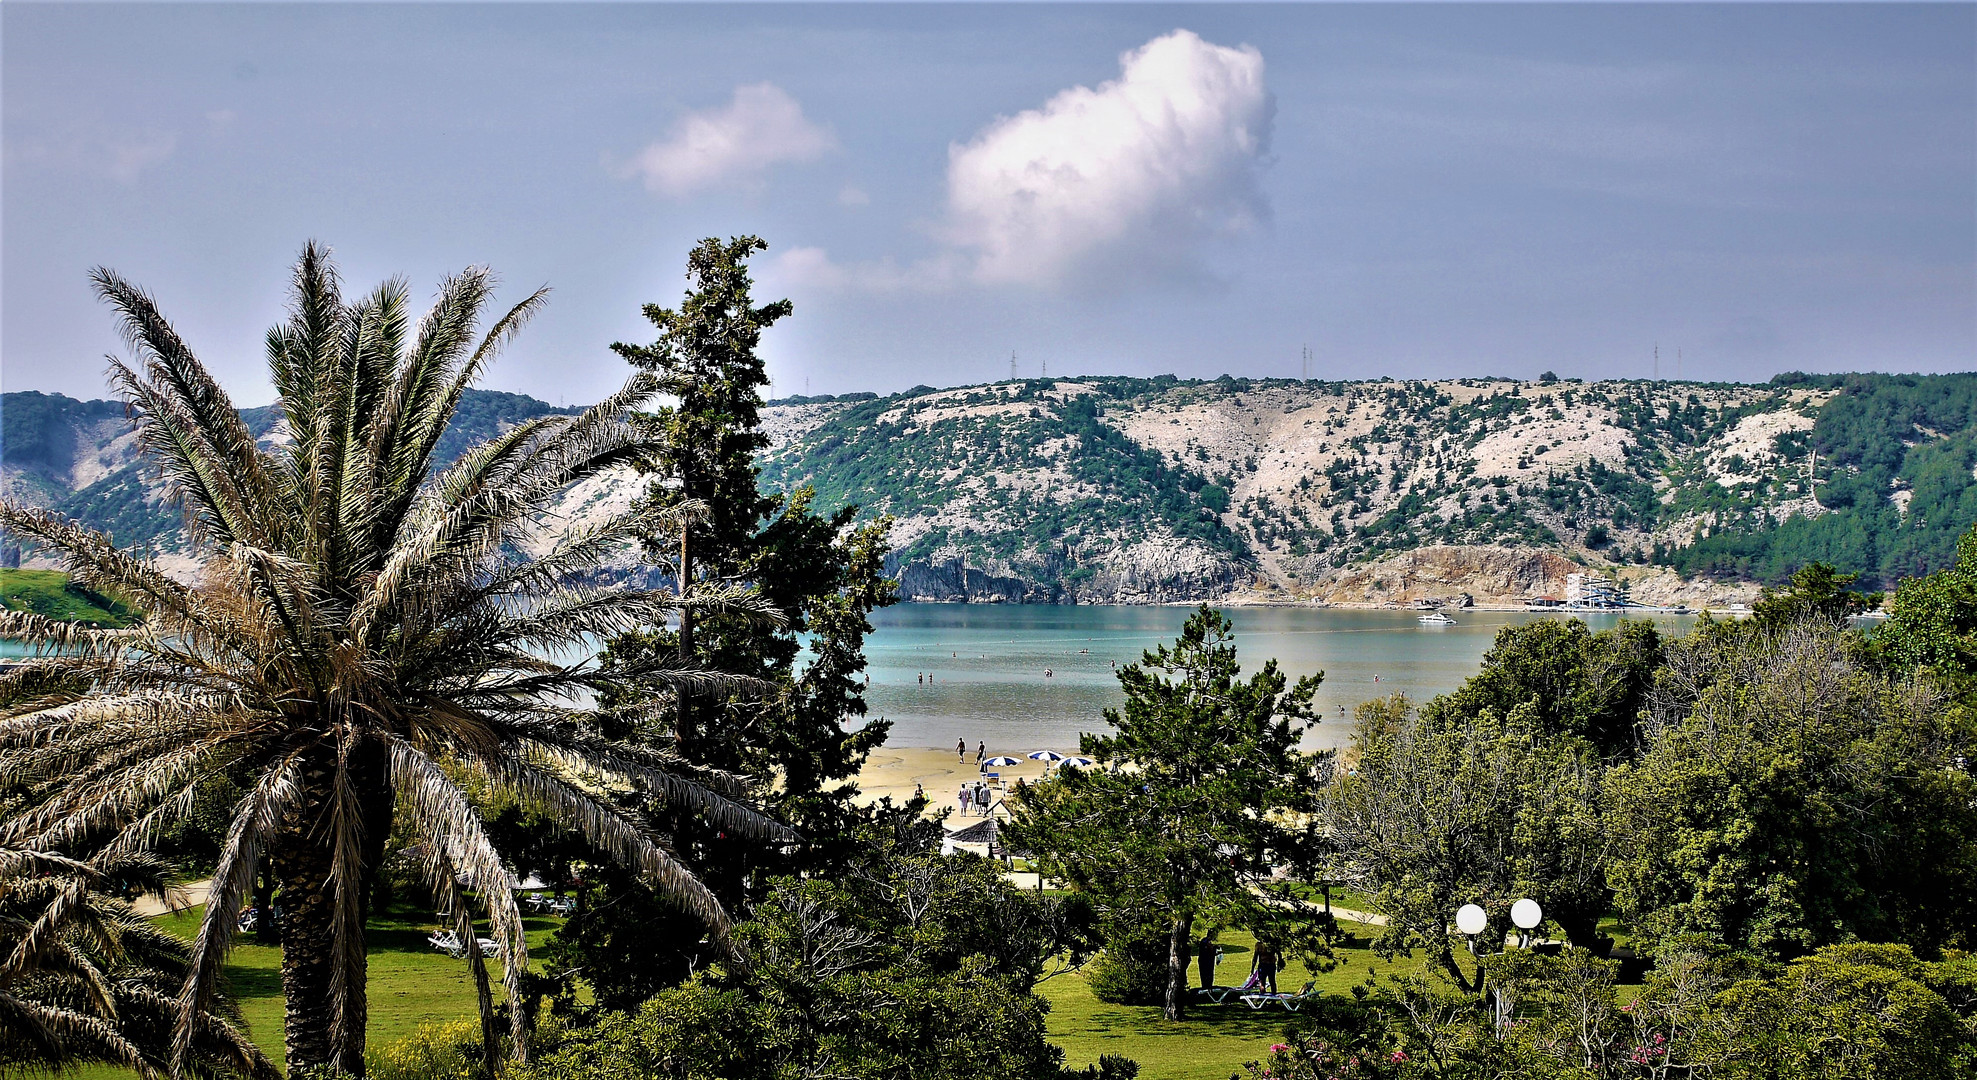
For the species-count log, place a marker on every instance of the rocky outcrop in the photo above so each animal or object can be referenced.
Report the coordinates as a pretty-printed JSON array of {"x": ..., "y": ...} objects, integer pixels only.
[
  {"x": 1498, "y": 576},
  {"x": 1156, "y": 572},
  {"x": 951, "y": 581},
  {"x": 1490, "y": 575},
  {"x": 1147, "y": 572}
]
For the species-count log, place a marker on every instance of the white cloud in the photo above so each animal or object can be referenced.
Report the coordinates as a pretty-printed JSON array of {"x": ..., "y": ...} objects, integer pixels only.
[
  {"x": 813, "y": 267},
  {"x": 1125, "y": 180},
  {"x": 1144, "y": 166},
  {"x": 853, "y": 196},
  {"x": 736, "y": 142}
]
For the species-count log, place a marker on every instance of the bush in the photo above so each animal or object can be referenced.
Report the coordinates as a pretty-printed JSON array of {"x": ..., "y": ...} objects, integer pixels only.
[
  {"x": 1109, "y": 1067},
  {"x": 1130, "y": 973},
  {"x": 449, "y": 1051}
]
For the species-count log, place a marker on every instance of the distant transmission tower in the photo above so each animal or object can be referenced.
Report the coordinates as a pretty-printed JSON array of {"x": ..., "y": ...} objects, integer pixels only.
[
  {"x": 1307, "y": 363},
  {"x": 1045, "y": 369},
  {"x": 1657, "y": 361},
  {"x": 1012, "y": 365}
]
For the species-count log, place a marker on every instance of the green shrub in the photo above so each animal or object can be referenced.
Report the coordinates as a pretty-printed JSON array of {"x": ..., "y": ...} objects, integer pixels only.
[
  {"x": 449, "y": 1051},
  {"x": 1130, "y": 973}
]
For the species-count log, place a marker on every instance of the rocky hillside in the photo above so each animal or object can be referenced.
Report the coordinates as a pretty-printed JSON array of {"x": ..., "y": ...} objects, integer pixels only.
[
  {"x": 1108, "y": 489},
  {"x": 1113, "y": 490}
]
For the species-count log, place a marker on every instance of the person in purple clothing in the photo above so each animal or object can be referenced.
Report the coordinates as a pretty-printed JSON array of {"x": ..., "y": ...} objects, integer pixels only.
[{"x": 966, "y": 798}]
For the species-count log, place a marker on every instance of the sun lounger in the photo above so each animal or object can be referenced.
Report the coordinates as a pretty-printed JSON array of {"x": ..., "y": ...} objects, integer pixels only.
[
  {"x": 543, "y": 903},
  {"x": 448, "y": 942},
  {"x": 1290, "y": 1002},
  {"x": 1220, "y": 994}
]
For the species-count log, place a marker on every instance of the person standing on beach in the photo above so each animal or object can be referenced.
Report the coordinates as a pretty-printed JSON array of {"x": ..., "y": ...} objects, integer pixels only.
[
  {"x": 981, "y": 752},
  {"x": 965, "y": 800},
  {"x": 960, "y": 750}
]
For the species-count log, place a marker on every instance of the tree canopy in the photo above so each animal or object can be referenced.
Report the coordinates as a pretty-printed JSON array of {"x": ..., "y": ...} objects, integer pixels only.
[{"x": 1189, "y": 800}]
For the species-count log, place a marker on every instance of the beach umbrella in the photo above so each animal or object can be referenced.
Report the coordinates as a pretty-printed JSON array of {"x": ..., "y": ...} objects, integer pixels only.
[
  {"x": 1078, "y": 762},
  {"x": 1000, "y": 761},
  {"x": 1046, "y": 755}
]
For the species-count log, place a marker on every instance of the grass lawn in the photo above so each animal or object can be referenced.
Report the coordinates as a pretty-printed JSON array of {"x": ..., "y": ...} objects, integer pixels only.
[
  {"x": 1215, "y": 1040},
  {"x": 410, "y": 983},
  {"x": 48, "y": 592}
]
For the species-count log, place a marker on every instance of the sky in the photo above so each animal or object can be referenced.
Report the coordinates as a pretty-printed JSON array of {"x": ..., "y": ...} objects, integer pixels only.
[{"x": 1413, "y": 190}]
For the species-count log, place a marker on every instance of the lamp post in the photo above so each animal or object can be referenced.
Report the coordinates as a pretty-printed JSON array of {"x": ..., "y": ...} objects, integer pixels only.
[{"x": 1471, "y": 919}]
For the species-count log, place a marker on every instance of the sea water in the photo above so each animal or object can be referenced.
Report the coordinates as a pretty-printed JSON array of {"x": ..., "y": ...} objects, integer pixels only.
[
  {"x": 1024, "y": 677},
  {"x": 1032, "y": 677}
]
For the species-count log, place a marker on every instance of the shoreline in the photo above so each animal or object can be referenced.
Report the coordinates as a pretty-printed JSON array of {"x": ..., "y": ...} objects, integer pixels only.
[
  {"x": 1352, "y": 605},
  {"x": 892, "y": 771}
]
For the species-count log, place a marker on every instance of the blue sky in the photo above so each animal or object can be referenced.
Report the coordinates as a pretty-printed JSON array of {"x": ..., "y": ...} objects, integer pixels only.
[{"x": 1410, "y": 190}]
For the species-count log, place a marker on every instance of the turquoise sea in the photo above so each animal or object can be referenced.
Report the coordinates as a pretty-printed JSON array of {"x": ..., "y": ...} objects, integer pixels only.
[
  {"x": 942, "y": 672},
  {"x": 987, "y": 663}
]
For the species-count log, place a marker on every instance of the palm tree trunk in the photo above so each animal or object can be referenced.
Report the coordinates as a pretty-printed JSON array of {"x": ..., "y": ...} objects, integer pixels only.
[
  {"x": 302, "y": 870},
  {"x": 302, "y": 862}
]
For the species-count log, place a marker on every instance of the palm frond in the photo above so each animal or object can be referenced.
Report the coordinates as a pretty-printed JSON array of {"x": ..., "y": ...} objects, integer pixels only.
[{"x": 255, "y": 822}]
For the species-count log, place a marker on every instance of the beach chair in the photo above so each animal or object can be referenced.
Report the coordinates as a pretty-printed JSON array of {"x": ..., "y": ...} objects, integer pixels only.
[
  {"x": 1290, "y": 1002},
  {"x": 1221, "y": 994},
  {"x": 448, "y": 942}
]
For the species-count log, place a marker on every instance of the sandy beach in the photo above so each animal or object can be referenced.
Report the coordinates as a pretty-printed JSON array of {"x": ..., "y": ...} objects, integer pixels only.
[{"x": 893, "y": 770}]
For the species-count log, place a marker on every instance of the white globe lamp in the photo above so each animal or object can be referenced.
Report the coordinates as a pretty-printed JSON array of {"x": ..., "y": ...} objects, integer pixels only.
[
  {"x": 1471, "y": 920},
  {"x": 1526, "y": 914}
]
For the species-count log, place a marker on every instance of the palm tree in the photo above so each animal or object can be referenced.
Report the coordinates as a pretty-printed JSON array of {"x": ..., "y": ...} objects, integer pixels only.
[
  {"x": 85, "y": 978},
  {"x": 365, "y": 634}
]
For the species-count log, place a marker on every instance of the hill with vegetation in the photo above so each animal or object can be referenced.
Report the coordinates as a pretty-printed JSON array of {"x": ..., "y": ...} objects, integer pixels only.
[
  {"x": 80, "y": 458},
  {"x": 1107, "y": 488},
  {"x": 1125, "y": 490}
]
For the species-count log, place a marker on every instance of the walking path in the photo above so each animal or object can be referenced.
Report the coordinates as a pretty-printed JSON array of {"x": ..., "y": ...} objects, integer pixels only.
[{"x": 190, "y": 894}]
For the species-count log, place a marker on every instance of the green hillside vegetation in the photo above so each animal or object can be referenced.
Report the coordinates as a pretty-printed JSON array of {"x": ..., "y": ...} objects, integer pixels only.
[
  {"x": 1881, "y": 435},
  {"x": 888, "y": 456},
  {"x": 1412, "y": 480},
  {"x": 50, "y": 593},
  {"x": 122, "y": 503},
  {"x": 34, "y": 423},
  {"x": 1040, "y": 479}
]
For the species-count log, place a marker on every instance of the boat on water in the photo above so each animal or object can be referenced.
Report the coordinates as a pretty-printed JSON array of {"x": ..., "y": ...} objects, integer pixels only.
[{"x": 1436, "y": 618}]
